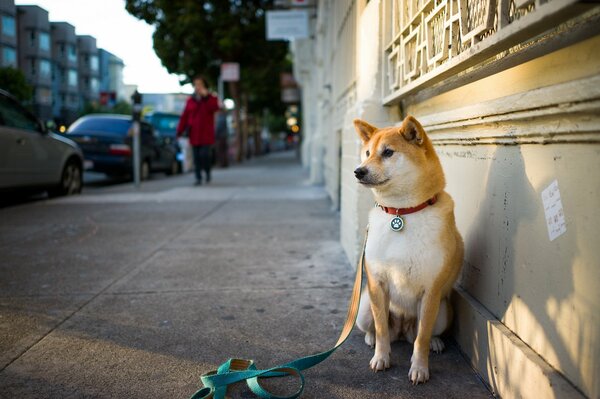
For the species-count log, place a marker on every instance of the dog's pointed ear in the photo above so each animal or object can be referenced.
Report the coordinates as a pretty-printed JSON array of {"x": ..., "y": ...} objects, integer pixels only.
[
  {"x": 412, "y": 130},
  {"x": 364, "y": 130}
]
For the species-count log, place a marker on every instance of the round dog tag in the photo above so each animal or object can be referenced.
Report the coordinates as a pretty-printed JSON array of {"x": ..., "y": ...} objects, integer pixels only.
[{"x": 397, "y": 223}]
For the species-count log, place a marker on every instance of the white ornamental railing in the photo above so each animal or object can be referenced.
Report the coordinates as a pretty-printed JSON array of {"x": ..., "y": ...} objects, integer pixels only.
[{"x": 430, "y": 40}]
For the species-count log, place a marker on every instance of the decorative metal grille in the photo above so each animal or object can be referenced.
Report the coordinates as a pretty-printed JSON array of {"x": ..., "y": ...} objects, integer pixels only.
[{"x": 427, "y": 36}]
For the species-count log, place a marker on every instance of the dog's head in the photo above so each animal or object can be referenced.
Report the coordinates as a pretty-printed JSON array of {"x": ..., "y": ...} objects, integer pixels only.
[{"x": 398, "y": 161}]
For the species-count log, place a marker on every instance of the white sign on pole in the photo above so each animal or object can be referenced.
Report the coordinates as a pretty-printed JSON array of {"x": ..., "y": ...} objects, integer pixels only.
[
  {"x": 287, "y": 25},
  {"x": 230, "y": 72}
]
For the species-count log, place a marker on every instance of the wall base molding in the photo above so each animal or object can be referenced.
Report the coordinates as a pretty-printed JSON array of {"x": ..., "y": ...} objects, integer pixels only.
[{"x": 509, "y": 367}]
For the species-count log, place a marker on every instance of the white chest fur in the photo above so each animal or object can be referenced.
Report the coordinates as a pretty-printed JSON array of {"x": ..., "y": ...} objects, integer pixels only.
[{"x": 407, "y": 261}]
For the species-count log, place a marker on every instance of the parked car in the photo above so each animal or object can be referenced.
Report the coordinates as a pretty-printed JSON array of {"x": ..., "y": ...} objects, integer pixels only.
[
  {"x": 165, "y": 126},
  {"x": 31, "y": 156},
  {"x": 106, "y": 141}
]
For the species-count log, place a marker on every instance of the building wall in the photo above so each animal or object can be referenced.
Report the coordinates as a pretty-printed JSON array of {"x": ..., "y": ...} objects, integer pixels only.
[
  {"x": 8, "y": 34},
  {"x": 510, "y": 110},
  {"x": 65, "y": 80},
  {"x": 544, "y": 291},
  {"x": 88, "y": 69},
  {"x": 111, "y": 74},
  {"x": 35, "y": 58}
]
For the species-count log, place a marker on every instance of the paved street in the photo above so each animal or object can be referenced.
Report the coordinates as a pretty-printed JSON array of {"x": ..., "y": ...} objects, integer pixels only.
[{"x": 119, "y": 293}]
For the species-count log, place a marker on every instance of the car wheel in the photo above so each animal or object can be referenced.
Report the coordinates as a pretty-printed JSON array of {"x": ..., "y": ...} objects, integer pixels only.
[
  {"x": 71, "y": 180},
  {"x": 145, "y": 171},
  {"x": 174, "y": 168}
]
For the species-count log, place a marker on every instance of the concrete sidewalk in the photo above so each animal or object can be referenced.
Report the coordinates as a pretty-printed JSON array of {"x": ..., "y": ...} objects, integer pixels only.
[{"x": 126, "y": 294}]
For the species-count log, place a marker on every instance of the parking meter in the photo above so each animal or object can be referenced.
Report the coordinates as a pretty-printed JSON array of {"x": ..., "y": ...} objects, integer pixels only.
[{"x": 136, "y": 98}]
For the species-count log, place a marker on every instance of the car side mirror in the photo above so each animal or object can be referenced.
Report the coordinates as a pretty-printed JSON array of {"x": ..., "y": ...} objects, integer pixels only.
[{"x": 48, "y": 126}]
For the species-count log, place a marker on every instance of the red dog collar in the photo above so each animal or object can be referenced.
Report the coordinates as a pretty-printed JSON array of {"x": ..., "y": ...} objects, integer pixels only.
[{"x": 406, "y": 211}]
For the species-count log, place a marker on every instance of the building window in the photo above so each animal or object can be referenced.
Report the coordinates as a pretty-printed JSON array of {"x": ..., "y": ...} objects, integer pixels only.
[
  {"x": 9, "y": 56},
  {"x": 94, "y": 62},
  {"x": 72, "y": 78},
  {"x": 94, "y": 85},
  {"x": 32, "y": 38},
  {"x": 45, "y": 68},
  {"x": 44, "y": 41},
  {"x": 61, "y": 48},
  {"x": 44, "y": 95},
  {"x": 72, "y": 53},
  {"x": 8, "y": 26},
  {"x": 32, "y": 66}
]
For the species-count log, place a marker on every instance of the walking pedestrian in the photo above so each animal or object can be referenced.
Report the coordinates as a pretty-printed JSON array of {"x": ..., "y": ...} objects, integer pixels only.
[{"x": 198, "y": 122}]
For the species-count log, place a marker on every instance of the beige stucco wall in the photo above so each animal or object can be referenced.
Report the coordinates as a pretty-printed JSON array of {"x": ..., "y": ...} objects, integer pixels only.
[
  {"x": 546, "y": 292},
  {"x": 529, "y": 307}
]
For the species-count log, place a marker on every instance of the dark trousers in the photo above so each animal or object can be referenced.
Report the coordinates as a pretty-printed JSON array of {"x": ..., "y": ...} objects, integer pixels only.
[{"x": 202, "y": 160}]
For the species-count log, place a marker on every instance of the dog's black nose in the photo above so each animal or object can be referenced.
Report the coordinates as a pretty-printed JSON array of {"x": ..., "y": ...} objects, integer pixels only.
[{"x": 360, "y": 172}]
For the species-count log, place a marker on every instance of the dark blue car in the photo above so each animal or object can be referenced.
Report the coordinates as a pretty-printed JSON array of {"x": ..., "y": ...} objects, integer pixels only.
[
  {"x": 165, "y": 126},
  {"x": 107, "y": 146}
]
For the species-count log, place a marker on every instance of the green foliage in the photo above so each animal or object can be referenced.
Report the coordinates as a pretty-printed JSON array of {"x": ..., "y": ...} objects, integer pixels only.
[
  {"x": 196, "y": 36},
  {"x": 13, "y": 81},
  {"x": 121, "y": 107},
  {"x": 275, "y": 123}
]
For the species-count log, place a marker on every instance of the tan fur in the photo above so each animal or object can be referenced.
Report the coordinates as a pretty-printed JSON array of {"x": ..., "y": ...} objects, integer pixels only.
[{"x": 411, "y": 272}]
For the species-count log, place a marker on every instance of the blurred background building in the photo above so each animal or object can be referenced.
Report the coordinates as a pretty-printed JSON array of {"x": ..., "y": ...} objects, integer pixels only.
[
  {"x": 8, "y": 34},
  {"x": 89, "y": 70},
  {"x": 65, "y": 87},
  {"x": 67, "y": 72},
  {"x": 35, "y": 56},
  {"x": 112, "y": 88}
]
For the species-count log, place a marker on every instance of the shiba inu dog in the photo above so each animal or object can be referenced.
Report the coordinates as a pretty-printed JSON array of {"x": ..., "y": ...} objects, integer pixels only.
[{"x": 414, "y": 251}]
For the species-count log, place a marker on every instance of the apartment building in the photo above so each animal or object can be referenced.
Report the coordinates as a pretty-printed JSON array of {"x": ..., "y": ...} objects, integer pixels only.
[
  {"x": 8, "y": 34},
  {"x": 88, "y": 69},
  {"x": 65, "y": 80},
  {"x": 35, "y": 56},
  {"x": 508, "y": 93},
  {"x": 111, "y": 67}
]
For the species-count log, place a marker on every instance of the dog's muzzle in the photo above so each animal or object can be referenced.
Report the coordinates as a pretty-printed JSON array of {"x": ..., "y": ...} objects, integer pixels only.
[{"x": 361, "y": 172}]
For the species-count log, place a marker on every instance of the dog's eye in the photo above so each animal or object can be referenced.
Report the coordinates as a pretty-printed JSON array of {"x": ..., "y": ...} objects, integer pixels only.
[
  {"x": 368, "y": 153},
  {"x": 387, "y": 153}
]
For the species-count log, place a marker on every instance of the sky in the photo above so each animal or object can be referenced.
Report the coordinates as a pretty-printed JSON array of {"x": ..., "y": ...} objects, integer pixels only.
[{"x": 119, "y": 33}]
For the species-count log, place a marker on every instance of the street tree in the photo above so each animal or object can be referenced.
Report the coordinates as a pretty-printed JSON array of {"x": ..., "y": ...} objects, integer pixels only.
[
  {"x": 195, "y": 36},
  {"x": 13, "y": 81}
]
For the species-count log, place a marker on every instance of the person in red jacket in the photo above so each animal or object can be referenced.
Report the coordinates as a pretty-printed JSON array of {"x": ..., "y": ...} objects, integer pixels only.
[{"x": 198, "y": 121}]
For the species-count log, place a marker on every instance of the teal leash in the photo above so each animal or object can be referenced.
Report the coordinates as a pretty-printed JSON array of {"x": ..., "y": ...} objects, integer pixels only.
[{"x": 236, "y": 370}]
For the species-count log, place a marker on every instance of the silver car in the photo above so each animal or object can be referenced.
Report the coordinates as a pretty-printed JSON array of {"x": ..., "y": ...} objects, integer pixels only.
[{"x": 33, "y": 157}]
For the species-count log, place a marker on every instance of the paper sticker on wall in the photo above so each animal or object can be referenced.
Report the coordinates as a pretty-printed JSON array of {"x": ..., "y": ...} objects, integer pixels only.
[{"x": 553, "y": 210}]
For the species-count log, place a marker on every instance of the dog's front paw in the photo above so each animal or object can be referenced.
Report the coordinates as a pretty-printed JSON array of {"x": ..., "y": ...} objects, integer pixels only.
[
  {"x": 380, "y": 362},
  {"x": 418, "y": 373},
  {"x": 370, "y": 339},
  {"x": 436, "y": 345}
]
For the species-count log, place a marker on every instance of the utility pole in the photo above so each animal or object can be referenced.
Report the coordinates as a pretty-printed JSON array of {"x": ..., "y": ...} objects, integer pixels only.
[{"x": 137, "y": 114}]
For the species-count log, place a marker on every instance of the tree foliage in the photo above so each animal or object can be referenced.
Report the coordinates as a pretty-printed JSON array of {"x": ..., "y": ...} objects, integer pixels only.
[
  {"x": 13, "y": 81},
  {"x": 121, "y": 107},
  {"x": 196, "y": 36}
]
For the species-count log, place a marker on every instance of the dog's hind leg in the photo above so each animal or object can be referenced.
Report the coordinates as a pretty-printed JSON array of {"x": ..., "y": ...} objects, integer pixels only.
[
  {"x": 364, "y": 320},
  {"x": 442, "y": 322}
]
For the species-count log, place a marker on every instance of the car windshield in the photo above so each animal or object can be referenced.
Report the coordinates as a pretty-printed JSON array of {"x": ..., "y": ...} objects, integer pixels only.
[
  {"x": 165, "y": 124},
  {"x": 109, "y": 125}
]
